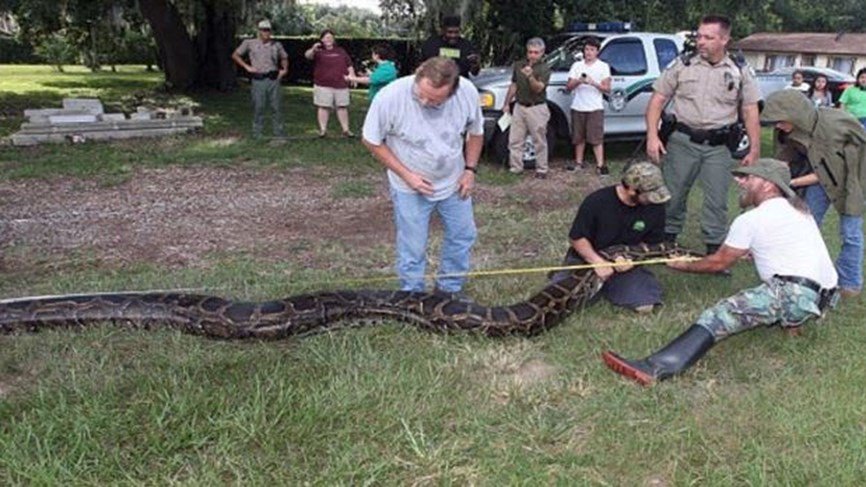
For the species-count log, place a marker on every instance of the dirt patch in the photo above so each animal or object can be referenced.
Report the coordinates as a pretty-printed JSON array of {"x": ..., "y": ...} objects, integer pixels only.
[
  {"x": 533, "y": 372},
  {"x": 177, "y": 217},
  {"x": 510, "y": 370}
]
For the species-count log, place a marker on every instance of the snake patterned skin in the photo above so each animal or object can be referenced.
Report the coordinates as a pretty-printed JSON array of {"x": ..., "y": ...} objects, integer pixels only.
[{"x": 317, "y": 312}]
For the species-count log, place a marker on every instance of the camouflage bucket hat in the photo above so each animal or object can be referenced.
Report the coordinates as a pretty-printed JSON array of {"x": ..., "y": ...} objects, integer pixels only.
[
  {"x": 646, "y": 178},
  {"x": 773, "y": 170}
]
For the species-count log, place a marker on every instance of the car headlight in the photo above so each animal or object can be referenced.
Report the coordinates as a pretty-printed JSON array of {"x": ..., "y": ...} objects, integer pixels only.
[{"x": 486, "y": 99}]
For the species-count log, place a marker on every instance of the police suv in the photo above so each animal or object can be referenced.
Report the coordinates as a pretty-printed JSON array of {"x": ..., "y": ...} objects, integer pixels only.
[{"x": 636, "y": 59}]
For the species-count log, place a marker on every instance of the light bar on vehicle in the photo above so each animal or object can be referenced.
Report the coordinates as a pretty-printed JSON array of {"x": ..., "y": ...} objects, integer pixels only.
[{"x": 615, "y": 26}]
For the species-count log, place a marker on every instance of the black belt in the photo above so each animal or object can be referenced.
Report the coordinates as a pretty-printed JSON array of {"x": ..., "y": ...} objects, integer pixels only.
[
  {"x": 825, "y": 296},
  {"x": 531, "y": 104},
  {"x": 268, "y": 75},
  {"x": 803, "y": 281},
  {"x": 711, "y": 137}
]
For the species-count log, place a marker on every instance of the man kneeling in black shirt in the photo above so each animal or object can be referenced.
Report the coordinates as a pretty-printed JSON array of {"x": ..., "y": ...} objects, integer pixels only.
[{"x": 628, "y": 213}]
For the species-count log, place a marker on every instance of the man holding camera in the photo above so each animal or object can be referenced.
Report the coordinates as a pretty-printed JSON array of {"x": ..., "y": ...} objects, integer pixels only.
[
  {"x": 529, "y": 78},
  {"x": 268, "y": 64},
  {"x": 709, "y": 90}
]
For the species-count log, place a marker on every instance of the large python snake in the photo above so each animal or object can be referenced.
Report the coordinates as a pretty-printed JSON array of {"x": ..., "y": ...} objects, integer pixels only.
[{"x": 317, "y": 312}]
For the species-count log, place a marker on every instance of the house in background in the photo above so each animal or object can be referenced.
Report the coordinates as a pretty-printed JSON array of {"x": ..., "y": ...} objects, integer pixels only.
[
  {"x": 8, "y": 26},
  {"x": 766, "y": 51}
]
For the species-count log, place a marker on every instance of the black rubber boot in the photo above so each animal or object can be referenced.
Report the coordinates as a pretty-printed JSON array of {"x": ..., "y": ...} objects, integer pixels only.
[{"x": 671, "y": 360}]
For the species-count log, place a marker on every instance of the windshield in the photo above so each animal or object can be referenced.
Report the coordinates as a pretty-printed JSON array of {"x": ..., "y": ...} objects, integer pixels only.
[{"x": 561, "y": 58}]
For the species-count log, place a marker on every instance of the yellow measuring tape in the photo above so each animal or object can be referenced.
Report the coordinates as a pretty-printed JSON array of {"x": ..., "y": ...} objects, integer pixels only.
[{"x": 529, "y": 270}]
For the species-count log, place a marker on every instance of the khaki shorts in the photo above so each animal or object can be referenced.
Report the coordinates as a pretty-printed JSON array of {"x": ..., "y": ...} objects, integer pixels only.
[
  {"x": 330, "y": 97},
  {"x": 587, "y": 127}
]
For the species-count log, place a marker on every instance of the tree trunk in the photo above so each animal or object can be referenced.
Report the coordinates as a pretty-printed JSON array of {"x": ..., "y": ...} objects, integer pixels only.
[
  {"x": 215, "y": 43},
  {"x": 179, "y": 56}
]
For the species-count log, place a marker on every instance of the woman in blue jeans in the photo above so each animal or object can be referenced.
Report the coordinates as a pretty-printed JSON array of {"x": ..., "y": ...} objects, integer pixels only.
[
  {"x": 834, "y": 144},
  {"x": 849, "y": 264}
]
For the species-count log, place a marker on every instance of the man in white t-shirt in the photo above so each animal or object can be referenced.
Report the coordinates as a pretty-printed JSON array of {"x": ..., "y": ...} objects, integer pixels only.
[
  {"x": 799, "y": 279},
  {"x": 428, "y": 131},
  {"x": 590, "y": 80}
]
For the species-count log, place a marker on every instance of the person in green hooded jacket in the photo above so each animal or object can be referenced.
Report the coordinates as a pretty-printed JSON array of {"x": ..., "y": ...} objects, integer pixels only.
[{"x": 831, "y": 145}]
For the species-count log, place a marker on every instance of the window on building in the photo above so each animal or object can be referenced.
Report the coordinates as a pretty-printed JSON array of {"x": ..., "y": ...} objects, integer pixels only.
[
  {"x": 808, "y": 60},
  {"x": 775, "y": 61},
  {"x": 625, "y": 56},
  {"x": 843, "y": 64}
]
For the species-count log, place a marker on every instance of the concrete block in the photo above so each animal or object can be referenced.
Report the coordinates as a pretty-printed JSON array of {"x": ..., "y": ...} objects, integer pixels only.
[
  {"x": 58, "y": 119},
  {"x": 89, "y": 105},
  {"x": 113, "y": 117},
  {"x": 40, "y": 115}
]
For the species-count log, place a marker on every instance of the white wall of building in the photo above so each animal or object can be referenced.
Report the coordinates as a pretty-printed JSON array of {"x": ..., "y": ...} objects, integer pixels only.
[{"x": 761, "y": 61}]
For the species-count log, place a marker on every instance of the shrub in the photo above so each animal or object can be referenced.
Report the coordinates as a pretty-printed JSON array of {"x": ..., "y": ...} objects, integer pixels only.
[{"x": 56, "y": 50}]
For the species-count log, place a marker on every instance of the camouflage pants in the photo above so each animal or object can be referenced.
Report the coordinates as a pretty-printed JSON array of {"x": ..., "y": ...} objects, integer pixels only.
[{"x": 787, "y": 303}]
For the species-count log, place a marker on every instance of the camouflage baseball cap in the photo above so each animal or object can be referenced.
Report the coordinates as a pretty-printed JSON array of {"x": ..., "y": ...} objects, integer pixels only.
[
  {"x": 773, "y": 170},
  {"x": 646, "y": 178}
]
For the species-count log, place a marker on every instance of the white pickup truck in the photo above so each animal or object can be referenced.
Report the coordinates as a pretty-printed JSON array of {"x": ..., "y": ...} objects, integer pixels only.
[{"x": 635, "y": 59}]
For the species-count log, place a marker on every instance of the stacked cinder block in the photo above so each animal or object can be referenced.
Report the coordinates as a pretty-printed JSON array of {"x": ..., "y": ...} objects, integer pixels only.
[{"x": 83, "y": 119}]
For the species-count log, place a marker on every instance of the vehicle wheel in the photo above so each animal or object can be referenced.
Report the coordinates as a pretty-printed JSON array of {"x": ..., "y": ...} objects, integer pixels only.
[
  {"x": 529, "y": 148},
  {"x": 499, "y": 147},
  {"x": 551, "y": 139}
]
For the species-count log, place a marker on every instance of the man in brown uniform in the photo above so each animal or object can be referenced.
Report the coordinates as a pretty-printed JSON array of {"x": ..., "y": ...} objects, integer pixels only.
[
  {"x": 708, "y": 89},
  {"x": 530, "y": 114},
  {"x": 265, "y": 55}
]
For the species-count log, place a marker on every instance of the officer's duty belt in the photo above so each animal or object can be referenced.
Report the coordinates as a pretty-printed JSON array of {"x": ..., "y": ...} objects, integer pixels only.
[
  {"x": 532, "y": 104},
  {"x": 710, "y": 137}
]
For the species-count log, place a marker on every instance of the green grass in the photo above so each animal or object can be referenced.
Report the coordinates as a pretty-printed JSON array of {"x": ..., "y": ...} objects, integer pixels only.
[
  {"x": 391, "y": 404},
  {"x": 223, "y": 142}
]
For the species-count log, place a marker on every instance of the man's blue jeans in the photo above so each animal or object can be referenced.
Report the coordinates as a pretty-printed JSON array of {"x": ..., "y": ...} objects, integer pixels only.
[
  {"x": 412, "y": 213},
  {"x": 849, "y": 264}
]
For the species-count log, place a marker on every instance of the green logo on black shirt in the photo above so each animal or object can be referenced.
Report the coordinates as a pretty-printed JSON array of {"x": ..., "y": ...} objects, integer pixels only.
[
  {"x": 449, "y": 52},
  {"x": 639, "y": 226}
]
